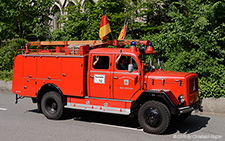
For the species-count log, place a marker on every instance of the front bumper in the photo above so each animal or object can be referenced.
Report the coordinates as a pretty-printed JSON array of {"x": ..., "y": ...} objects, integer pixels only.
[{"x": 187, "y": 109}]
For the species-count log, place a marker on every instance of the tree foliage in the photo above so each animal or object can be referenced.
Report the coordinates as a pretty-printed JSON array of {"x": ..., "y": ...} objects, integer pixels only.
[
  {"x": 188, "y": 35},
  {"x": 7, "y": 52},
  {"x": 24, "y": 18},
  {"x": 194, "y": 41},
  {"x": 82, "y": 22}
]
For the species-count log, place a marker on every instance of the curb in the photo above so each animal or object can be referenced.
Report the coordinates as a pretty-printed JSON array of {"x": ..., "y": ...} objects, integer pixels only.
[
  {"x": 5, "y": 85},
  {"x": 210, "y": 105}
]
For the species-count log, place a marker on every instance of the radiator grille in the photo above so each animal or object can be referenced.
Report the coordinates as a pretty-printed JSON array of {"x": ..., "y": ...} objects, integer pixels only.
[{"x": 193, "y": 85}]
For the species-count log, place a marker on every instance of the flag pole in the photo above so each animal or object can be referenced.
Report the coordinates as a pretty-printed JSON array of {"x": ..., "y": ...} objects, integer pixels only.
[
  {"x": 105, "y": 27},
  {"x": 110, "y": 28}
]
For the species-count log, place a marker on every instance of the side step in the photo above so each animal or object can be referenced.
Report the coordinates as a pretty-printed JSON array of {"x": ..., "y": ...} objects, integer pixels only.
[{"x": 100, "y": 105}]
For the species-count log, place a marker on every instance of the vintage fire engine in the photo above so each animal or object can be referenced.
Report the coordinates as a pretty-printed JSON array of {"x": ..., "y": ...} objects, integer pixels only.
[{"x": 89, "y": 75}]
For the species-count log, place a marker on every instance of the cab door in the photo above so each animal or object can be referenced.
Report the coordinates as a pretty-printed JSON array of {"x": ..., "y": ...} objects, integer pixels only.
[
  {"x": 125, "y": 84},
  {"x": 100, "y": 77}
]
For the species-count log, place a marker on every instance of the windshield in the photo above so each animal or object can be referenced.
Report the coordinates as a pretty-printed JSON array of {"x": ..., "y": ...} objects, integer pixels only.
[{"x": 151, "y": 62}]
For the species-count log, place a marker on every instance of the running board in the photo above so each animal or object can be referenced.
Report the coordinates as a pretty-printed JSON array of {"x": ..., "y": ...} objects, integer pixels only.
[{"x": 96, "y": 108}]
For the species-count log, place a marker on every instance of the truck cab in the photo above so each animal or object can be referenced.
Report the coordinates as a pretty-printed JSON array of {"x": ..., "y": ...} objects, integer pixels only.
[{"x": 113, "y": 81}]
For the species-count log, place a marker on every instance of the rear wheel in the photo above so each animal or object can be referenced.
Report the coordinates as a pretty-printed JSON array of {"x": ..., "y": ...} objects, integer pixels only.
[
  {"x": 154, "y": 117},
  {"x": 52, "y": 105},
  {"x": 39, "y": 107}
]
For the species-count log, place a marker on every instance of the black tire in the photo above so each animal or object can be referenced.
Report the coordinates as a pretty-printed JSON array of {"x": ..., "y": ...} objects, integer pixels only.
[
  {"x": 154, "y": 117},
  {"x": 52, "y": 105}
]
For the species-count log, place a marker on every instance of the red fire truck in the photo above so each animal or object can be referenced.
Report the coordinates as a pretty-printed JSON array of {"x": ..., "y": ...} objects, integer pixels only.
[{"x": 93, "y": 75}]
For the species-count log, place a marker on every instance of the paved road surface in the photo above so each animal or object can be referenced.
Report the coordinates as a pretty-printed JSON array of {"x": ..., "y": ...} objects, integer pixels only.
[{"x": 21, "y": 122}]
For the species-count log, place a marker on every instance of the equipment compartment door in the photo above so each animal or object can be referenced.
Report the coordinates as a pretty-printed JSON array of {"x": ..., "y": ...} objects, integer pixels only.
[
  {"x": 100, "y": 76},
  {"x": 29, "y": 76},
  {"x": 73, "y": 76}
]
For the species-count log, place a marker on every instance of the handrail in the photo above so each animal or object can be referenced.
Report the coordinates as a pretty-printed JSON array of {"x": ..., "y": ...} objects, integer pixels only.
[{"x": 91, "y": 43}]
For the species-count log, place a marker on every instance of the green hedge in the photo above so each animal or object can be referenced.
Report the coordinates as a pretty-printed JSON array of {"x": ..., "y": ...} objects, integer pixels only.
[
  {"x": 193, "y": 41},
  {"x": 7, "y": 52}
]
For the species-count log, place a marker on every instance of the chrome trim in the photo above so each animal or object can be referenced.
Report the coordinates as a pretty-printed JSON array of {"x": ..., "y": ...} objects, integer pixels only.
[
  {"x": 97, "y": 108},
  {"x": 101, "y": 71},
  {"x": 186, "y": 109},
  {"x": 42, "y": 79},
  {"x": 113, "y": 72},
  {"x": 125, "y": 73},
  {"x": 108, "y": 99}
]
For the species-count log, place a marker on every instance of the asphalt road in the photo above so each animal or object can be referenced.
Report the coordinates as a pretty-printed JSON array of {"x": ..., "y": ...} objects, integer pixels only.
[{"x": 21, "y": 122}]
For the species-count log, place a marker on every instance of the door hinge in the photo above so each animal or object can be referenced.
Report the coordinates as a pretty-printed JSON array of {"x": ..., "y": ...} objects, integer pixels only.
[{"x": 163, "y": 81}]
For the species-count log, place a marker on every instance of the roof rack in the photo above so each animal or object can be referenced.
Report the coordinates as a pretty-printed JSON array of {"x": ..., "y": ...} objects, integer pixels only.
[
  {"x": 74, "y": 47},
  {"x": 91, "y": 43}
]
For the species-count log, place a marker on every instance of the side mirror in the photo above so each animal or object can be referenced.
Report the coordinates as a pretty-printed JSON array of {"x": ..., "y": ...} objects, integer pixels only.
[
  {"x": 130, "y": 68},
  {"x": 159, "y": 62},
  {"x": 142, "y": 52}
]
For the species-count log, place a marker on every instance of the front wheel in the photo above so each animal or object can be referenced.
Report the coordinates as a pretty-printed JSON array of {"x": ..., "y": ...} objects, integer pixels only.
[
  {"x": 52, "y": 105},
  {"x": 154, "y": 117}
]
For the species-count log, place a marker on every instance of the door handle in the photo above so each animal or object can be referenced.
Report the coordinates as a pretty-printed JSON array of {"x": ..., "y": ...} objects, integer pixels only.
[
  {"x": 115, "y": 77},
  {"x": 91, "y": 76}
]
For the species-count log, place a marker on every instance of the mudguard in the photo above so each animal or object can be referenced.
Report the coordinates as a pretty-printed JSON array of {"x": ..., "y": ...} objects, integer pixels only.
[
  {"x": 165, "y": 97},
  {"x": 48, "y": 87}
]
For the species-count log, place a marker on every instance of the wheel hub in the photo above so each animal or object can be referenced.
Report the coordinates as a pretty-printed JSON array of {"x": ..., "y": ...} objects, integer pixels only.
[
  {"x": 152, "y": 117},
  {"x": 53, "y": 106}
]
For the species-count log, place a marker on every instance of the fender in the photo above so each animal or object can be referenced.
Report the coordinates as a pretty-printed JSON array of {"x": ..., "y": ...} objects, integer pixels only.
[
  {"x": 166, "y": 97},
  {"x": 48, "y": 87}
]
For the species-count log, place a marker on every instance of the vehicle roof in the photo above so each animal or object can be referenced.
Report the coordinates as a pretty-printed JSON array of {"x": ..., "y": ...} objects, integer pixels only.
[{"x": 117, "y": 51}]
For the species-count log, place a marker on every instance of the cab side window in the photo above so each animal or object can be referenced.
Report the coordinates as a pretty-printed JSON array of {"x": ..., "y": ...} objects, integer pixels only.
[
  {"x": 122, "y": 64},
  {"x": 134, "y": 64},
  {"x": 124, "y": 61},
  {"x": 100, "y": 62}
]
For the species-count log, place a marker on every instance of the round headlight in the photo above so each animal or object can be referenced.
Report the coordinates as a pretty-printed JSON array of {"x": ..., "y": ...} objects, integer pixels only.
[{"x": 181, "y": 98}]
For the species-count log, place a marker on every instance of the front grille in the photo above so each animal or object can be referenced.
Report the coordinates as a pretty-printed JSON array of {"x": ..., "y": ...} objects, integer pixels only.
[{"x": 193, "y": 85}]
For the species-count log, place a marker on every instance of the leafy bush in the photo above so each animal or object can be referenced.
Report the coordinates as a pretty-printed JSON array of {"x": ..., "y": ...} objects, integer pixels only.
[
  {"x": 188, "y": 35},
  {"x": 7, "y": 52},
  {"x": 194, "y": 42},
  {"x": 6, "y": 75}
]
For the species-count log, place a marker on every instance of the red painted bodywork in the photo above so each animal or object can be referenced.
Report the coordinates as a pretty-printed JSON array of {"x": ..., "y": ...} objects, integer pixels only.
[{"x": 73, "y": 73}]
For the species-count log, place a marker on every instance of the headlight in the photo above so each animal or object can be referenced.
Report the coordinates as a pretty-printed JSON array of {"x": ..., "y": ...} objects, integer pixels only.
[{"x": 181, "y": 99}]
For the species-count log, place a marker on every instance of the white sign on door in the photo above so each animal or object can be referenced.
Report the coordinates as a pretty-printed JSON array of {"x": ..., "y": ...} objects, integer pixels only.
[{"x": 99, "y": 79}]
